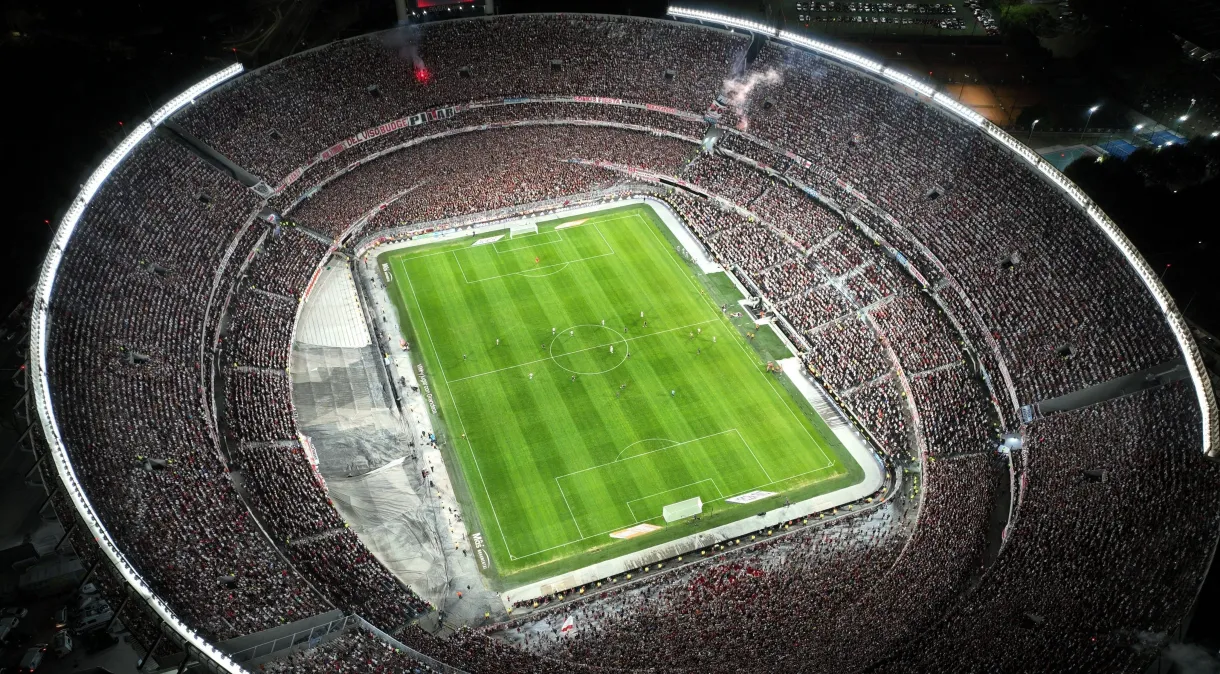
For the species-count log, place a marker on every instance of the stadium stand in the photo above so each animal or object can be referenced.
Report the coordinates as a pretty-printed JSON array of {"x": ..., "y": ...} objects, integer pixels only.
[
  {"x": 475, "y": 172},
  {"x": 445, "y": 63},
  {"x": 898, "y": 587},
  {"x": 1077, "y": 538},
  {"x": 950, "y": 187},
  {"x": 354, "y": 651},
  {"x": 859, "y": 576},
  {"x": 184, "y": 528},
  {"x": 260, "y": 331}
]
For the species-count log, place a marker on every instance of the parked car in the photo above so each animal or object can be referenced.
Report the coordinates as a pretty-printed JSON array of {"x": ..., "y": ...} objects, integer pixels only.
[
  {"x": 62, "y": 643},
  {"x": 33, "y": 658},
  {"x": 7, "y": 626}
]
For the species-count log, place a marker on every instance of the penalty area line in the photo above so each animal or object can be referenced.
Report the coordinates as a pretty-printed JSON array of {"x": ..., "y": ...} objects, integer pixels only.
[
  {"x": 659, "y": 517},
  {"x": 570, "y": 513}
]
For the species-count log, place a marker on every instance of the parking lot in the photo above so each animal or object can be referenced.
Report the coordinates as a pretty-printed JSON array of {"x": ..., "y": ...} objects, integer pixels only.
[{"x": 962, "y": 18}]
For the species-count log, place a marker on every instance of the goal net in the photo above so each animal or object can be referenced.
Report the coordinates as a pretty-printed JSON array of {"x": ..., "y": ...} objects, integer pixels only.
[
  {"x": 682, "y": 509},
  {"x": 522, "y": 228}
]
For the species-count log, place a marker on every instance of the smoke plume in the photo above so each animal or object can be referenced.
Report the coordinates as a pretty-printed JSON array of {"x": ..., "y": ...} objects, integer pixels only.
[
  {"x": 737, "y": 92},
  {"x": 1192, "y": 659},
  {"x": 405, "y": 40}
]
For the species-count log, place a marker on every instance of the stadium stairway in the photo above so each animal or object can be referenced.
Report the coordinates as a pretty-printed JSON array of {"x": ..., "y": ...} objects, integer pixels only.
[{"x": 1153, "y": 377}]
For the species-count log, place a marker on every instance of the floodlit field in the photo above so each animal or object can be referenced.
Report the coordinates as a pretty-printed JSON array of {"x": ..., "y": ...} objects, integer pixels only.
[{"x": 570, "y": 416}]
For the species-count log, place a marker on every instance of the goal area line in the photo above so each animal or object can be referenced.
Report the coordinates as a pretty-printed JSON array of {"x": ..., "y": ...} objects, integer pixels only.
[{"x": 716, "y": 500}]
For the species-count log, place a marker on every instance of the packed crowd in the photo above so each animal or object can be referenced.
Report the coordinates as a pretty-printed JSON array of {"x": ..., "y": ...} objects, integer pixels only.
[
  {"x": 475, "y": 172},
  {"x": 356, "y": 651},
  {"x": 873, "y": 283},
  {"x": 921, "y": 336},
  {"x": 360, "y": 83},
  {"x": 183, "y": 527},
  {"x": 285, "y": 263},
  {"x": 240, "y": 248},
  {"x": 728, "y": 178},
  {"x": 813, "y": 306},
  {"x": 955, "y": 413},
  {"x": 846, "y": 353},
  {"x": 485, "y": 171},
  {"x": 798, "y": 216},
  {"x": 284, "y": 490},
  {"x": 867, "y": 592},
  {"x": 260, "y": 331},
  {"x": 353, "y": 578},
  {"x": 878, "y": 405},
  {"x": 258, "y": 405},
  {"x": 1097, "y": 566},
  {"x": 951, "y": 189},
  {"x": 799, "y": 281},
  {"x": 475, "y": 117}
]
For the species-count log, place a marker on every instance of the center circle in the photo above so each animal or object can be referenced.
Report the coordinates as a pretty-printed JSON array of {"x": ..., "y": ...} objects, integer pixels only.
[{"x": 586, "y": 349}]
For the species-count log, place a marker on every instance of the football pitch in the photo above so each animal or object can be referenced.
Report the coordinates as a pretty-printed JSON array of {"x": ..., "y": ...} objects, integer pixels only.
[{"x": 586, "y": 377}]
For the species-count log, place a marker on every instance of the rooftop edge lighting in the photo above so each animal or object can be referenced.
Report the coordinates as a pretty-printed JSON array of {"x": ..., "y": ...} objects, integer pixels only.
[
  {"x": 701, "y": 15},
  {"x": 39, "y": 328}
]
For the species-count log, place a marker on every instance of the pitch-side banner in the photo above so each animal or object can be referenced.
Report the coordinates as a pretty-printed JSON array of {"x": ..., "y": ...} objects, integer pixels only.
[{"x": 750, "y": 497}]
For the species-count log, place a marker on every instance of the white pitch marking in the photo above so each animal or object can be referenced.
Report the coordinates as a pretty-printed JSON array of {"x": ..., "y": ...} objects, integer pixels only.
[
  {"x": 458, "y": 411},
  {"x": 599, "y": 346},
  {"x": 706, "y": 479},
  {"x": 569, "y": 505}
]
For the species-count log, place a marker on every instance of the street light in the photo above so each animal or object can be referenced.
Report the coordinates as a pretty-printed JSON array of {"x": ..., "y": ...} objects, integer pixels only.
[
  {"x": 1031, "y": 129},
  {"x": 1135, "y": 134},
  {"x": 1092, "y": 110}
]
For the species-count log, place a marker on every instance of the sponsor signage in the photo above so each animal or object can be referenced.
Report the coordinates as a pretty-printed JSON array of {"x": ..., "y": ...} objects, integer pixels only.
[
  {"x": 637, "y": 530},
  {"x": 750, "y": 497},
  {"x": 480, "y": 550},
  {"x": 662, "y": 108},
  {"x": 426, "y": 389}
]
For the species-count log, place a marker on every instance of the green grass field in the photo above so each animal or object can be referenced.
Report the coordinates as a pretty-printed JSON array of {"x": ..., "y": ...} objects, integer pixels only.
[{"x": 565, "y": 418}]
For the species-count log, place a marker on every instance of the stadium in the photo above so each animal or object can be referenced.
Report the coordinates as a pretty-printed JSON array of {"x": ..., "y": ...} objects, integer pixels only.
[{"x": 566, "y": 342}]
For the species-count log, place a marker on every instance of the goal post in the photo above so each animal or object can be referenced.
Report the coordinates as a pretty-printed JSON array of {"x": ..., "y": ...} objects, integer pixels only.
[
  {"x": 522, "y": 229},
  {"x": 682, "y": 509}
]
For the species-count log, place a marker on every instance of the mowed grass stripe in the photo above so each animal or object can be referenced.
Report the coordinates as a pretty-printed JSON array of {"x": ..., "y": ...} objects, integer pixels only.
[
  {"x": 788, "y": 404},
  {"x": 523, "y": 435}
]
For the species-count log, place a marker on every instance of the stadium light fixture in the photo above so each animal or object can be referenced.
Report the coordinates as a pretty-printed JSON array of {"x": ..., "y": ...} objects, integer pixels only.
[
  {"x": 1092, "y": 110},
  {"x": 965, "y": 112},
  {"x": 700, "y": 15},
  {"x": 908, "y": 81},
  {"x": 831, "y": 50}
]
